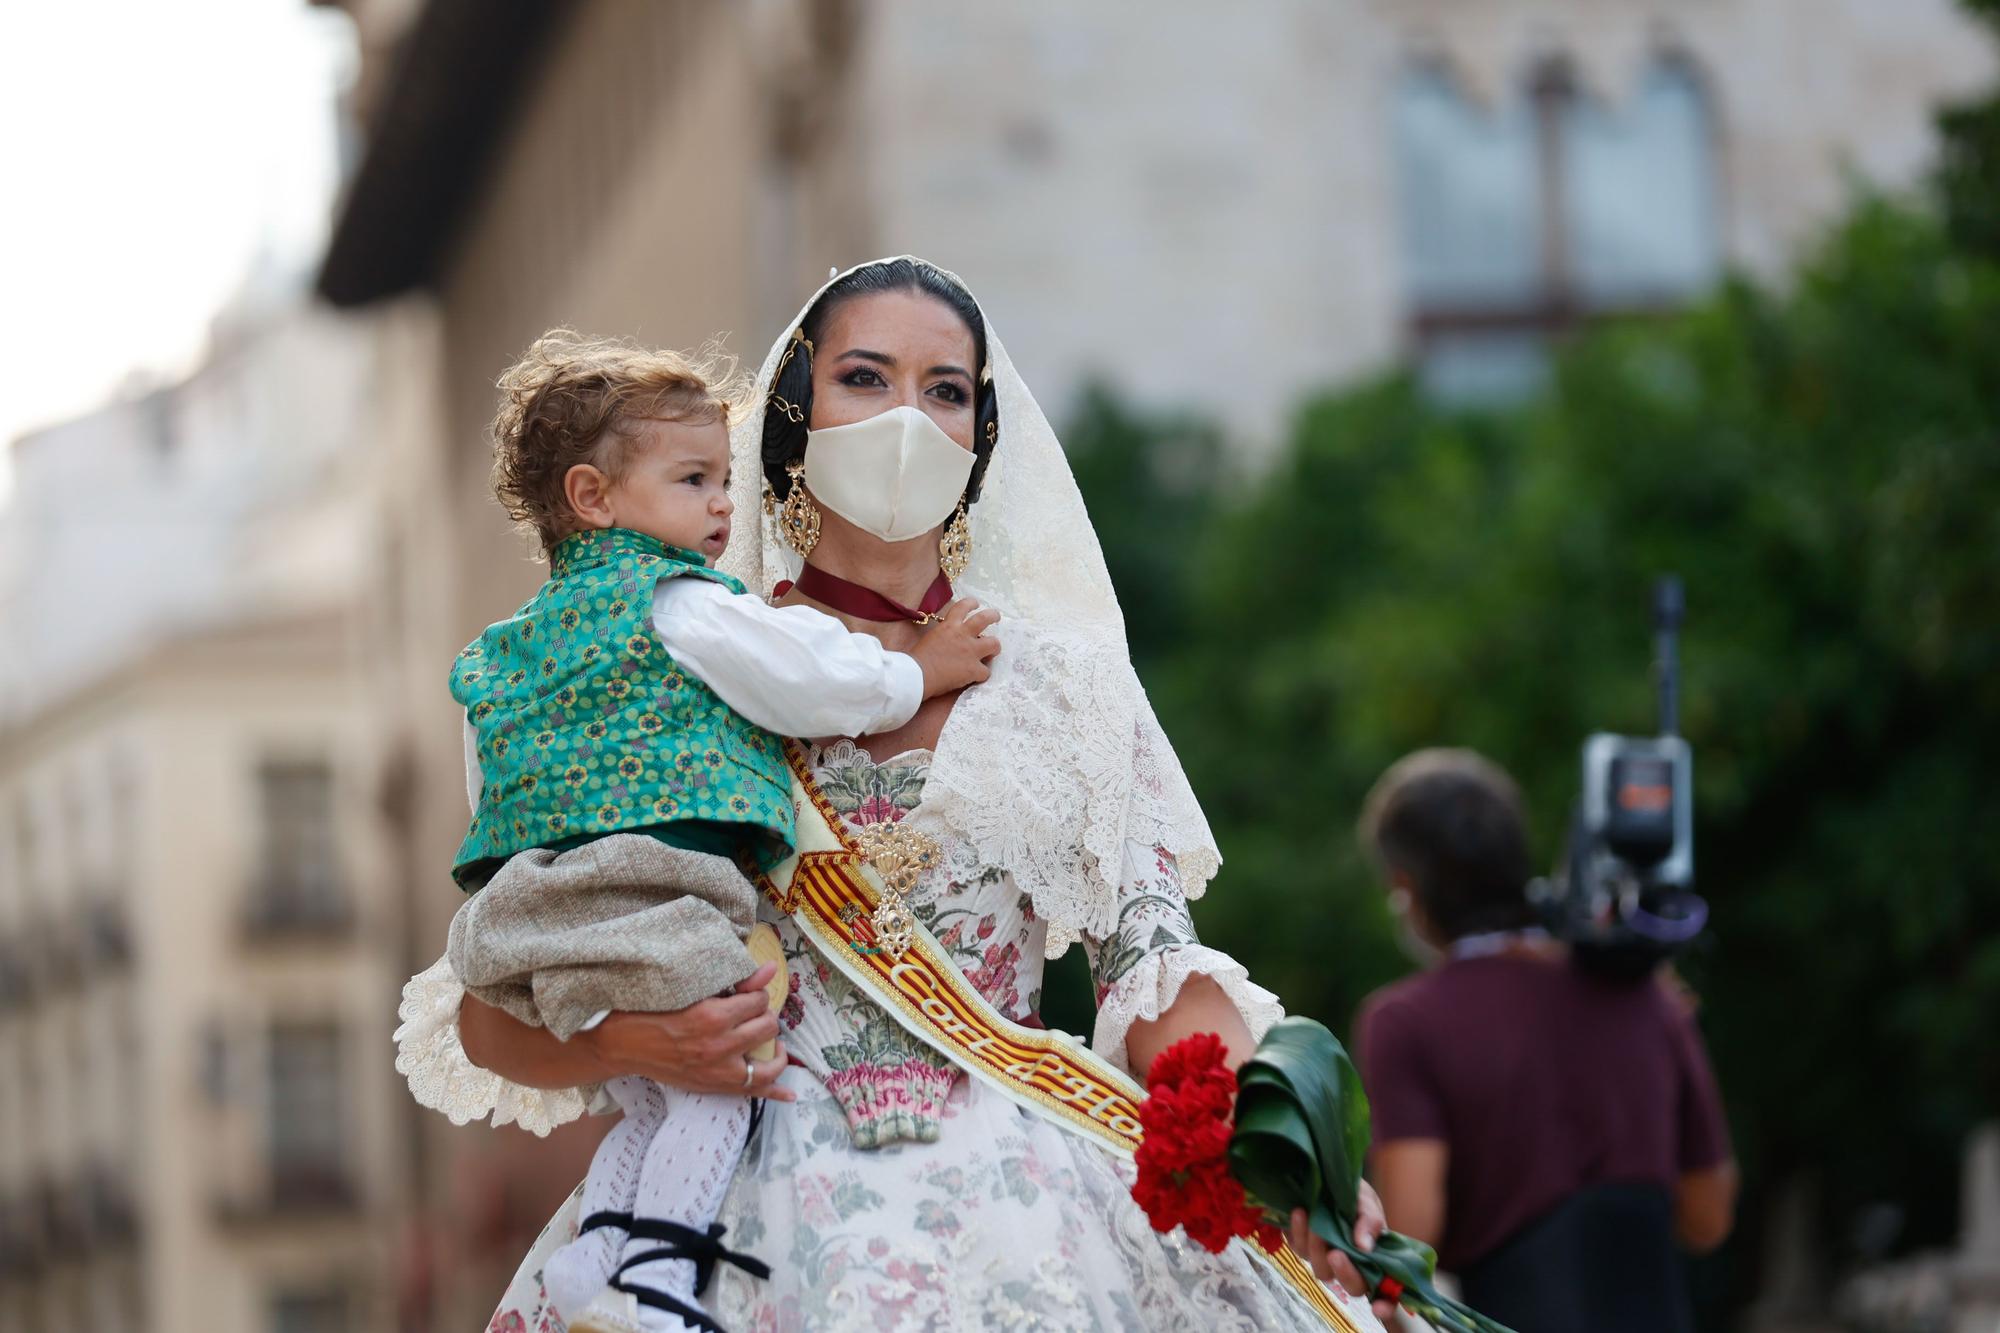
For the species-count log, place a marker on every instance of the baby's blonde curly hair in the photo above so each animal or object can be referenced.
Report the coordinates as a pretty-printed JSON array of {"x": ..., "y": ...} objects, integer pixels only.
[{"x": 572, "y": 399}]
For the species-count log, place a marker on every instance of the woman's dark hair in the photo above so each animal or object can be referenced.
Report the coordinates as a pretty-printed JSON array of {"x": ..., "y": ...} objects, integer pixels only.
[
  {"x": 785, "y": 439},
  {"x": 1452, "y": 822}
]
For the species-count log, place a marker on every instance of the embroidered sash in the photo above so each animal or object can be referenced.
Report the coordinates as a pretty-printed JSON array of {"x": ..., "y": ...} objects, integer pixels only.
[{"x": 829, "y": 888}]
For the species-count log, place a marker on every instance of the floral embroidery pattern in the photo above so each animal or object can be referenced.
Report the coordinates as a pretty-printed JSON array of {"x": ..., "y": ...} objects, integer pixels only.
[
  {"x": 1152, "y": 918},
  {"x": 890, "y": 1087},
  {"x": 866, "y": 793}
]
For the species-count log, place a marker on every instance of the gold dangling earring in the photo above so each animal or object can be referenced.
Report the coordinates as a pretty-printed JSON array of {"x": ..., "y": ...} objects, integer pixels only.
[
  {"x": 798, "y": 516},
  {"x": 955, "y": 546}
]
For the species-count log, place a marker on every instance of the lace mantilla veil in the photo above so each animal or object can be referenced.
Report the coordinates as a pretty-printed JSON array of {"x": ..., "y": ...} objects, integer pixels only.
[{"x": 1048, "y": 769}]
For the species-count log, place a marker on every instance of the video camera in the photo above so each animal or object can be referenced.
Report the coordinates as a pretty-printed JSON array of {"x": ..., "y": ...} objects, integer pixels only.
[{"x": 1623, "y": 898}]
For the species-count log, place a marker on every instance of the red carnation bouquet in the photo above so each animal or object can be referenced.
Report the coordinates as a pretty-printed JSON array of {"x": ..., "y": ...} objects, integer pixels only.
[
  {"x": 1293, "y": 1128},
  {"x": 1184, "y": 1178}
]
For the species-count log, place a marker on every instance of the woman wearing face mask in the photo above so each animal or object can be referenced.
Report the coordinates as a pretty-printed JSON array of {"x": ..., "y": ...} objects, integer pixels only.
[{"x": 928, "y": 1158}]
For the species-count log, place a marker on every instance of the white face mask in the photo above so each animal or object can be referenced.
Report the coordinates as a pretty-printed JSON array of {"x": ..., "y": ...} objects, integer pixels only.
[{"x": 897, "y": 475}]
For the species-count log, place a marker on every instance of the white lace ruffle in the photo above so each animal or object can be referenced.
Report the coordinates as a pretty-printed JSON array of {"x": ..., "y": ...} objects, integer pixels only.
[
  {"x": 441, "y": 1076},
  {"x": 1058, "y": 753},
  {"x": 1050, "y": 767},
  {"x": 1155, "y": 982}
]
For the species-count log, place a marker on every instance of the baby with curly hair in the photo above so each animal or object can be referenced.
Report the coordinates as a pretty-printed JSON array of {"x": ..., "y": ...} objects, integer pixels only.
[{"x": 627, "y": 777}]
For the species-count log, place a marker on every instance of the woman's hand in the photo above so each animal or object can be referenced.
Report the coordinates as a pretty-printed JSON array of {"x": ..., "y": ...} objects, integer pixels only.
[
  {"x": 702, "y": 1048},
  {"x": 1331, "y": 1265}
]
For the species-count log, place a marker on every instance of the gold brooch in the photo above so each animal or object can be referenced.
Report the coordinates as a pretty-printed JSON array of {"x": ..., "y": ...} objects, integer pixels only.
[{"x": 900, "y": 856}]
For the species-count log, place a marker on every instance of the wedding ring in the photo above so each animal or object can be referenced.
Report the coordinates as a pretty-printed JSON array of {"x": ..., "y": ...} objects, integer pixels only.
[{"x": 749, "y": 1072}]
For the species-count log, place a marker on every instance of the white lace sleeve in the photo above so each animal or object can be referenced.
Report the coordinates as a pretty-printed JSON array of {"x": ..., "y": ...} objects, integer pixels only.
[
  {"x": 1140, "y": 968},
  {"x": 441, "y": 1077}
]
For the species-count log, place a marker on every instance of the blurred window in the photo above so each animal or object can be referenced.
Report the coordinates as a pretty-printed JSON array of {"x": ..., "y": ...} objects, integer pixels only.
[
  {"x": 215, "y": 1074},
  {"x": 1472, "y": 212},
  {"x": 25, "y": 851},
  {"x": 308, "y": 1149},
  {"x": 1522, "y": 220},
  {"x": 1484, "y": 365},
  {"x": 122, "y": 832},
  {"x": 1638, "y": 192},
  {"x": 298, "y": 883},
  {"x": 310, "y": 1311},
  {"x": 13, "y": 864}
]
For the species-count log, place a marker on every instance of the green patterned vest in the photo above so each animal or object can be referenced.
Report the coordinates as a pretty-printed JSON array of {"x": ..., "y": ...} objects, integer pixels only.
[{"x": 586, "y": 725}]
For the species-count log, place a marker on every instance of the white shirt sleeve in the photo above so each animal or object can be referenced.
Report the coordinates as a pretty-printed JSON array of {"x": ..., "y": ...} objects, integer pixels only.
[{"x": 789, "y": 669}]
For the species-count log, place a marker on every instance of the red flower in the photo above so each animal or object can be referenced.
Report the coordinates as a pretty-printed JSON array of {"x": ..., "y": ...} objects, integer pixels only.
[
  {"x": 1183, "y": 1165},
  {"x": 1196, "y": 1057}
]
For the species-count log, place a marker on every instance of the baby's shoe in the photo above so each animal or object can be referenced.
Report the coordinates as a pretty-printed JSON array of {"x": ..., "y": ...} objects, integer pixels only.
[
  {"x": 612, "y": 1312},
  {"x": 577, "y": 1272},
  {"x": 617, "y": 1311}
]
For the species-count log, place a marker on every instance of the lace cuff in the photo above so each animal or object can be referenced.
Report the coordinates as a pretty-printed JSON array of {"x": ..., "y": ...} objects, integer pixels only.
[
  {"x": 1152, "y": 985},
  {"x": 441, "y": 1077}
]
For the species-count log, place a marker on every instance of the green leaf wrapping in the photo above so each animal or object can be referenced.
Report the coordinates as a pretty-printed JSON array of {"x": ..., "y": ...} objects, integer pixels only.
[
  {"x": 1299, "y": 1061},
  {"x": 1271, "y": 1151},
  {"x": 1301, "y": 1135}
]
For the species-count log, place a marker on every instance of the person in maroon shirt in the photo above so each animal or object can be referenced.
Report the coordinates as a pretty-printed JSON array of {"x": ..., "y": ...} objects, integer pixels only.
[{"x": 1553, "y": 1133}]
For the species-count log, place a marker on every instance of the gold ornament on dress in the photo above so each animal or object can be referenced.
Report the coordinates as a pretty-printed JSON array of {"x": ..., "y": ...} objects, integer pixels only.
[
  {"x": 900, "y": 856},
  {"x": 992, "y": 433},
  {"x": 798, "y": 516},
  {"x": 955, "y": 546}
]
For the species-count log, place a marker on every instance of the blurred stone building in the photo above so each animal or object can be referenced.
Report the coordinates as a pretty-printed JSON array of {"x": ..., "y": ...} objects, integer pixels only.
[
  {"x": 198, "y": 950},
  {"x": 1220, "y": 207}
]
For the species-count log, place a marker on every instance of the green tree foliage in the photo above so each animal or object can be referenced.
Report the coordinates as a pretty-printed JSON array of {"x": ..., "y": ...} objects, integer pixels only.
[
  {"x": 1152, "y": 478},
  {"x": 1969, "y": 172},
  {"x": 1822, "y": 466}
]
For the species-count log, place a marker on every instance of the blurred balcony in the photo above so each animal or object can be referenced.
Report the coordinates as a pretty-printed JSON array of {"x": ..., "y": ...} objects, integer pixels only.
[
  {"x": 105, "y": 936},
  {"x": 67, "y": 1219},
  {"x": 21, "y": 1240},
  {"x": 278, "y": 1143},
  {"x": 288, "y": 908},
  {"x": 110, "y": 1207},
  {"x": 48, "y": 954},
  {"x": 289, "y": 1192},
  {"x": 53, "y": 955},
  {"x": 17, "y": 982}
]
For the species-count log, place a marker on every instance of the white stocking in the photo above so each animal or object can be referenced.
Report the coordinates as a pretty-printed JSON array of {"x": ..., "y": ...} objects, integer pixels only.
[
  {"x": 686, "y": 1172},
  {"x": 579, "y": 1270}
]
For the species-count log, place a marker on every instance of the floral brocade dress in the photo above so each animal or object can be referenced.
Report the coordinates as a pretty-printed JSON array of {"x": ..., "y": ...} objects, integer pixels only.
[{"x": 897, "y": 1194}]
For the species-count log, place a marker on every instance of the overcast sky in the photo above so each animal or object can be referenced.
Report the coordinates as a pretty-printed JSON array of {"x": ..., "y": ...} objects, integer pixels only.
[{"x": 154, "y": 154}]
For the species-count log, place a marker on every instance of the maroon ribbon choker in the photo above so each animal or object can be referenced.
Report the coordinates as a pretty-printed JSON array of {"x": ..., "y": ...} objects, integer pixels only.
[{"x": 854, "y": 600}]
